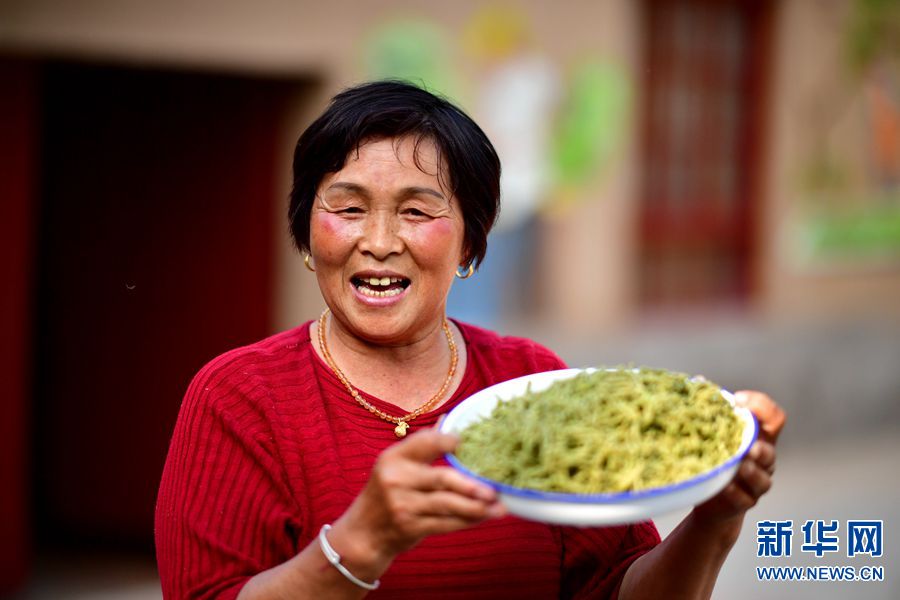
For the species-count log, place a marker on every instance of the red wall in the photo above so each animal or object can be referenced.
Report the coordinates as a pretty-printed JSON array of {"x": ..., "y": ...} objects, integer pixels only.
[{"x": 18, "y": 130}]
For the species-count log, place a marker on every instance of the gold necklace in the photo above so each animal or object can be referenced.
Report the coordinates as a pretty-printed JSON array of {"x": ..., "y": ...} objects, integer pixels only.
[{"x": 402, "y": 422}]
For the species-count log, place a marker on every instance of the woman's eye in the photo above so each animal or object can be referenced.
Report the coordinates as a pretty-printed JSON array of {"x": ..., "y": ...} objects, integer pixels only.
[
  {"x": 415, "y": 212},
  {"x": 350, "y": 210}
]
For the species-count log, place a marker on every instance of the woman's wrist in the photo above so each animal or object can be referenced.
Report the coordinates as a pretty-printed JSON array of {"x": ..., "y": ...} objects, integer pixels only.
[
  {"x": 721, "y": 531},
  {"x": 332, "y": 556},
  {"x": 359, "y": 550},
  {"x": 313, "y": 574}
]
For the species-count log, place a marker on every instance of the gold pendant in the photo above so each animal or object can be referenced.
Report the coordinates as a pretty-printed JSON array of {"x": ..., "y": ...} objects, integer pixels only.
[{"x": 400, "y": 429}]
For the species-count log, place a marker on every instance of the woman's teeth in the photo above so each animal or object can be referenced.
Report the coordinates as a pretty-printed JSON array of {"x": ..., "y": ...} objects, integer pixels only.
[
  {"x": 381, "y": 280},
  {"x": 365, "y": 286},
  {"x": 367, "y": 291}
]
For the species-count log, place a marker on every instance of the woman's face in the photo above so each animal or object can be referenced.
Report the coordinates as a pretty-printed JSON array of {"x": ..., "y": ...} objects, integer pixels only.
[{"x": 385, "y": 239}]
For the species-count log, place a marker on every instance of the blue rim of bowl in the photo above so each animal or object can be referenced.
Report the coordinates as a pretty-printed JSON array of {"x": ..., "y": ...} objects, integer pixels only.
[{"x": 616, "y": 497}]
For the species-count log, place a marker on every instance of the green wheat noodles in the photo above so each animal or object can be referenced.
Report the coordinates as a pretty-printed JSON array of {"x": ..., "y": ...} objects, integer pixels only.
[{"x": 608, "y": 431}]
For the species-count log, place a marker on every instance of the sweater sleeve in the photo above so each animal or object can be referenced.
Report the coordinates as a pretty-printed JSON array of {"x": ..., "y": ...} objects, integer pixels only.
[
  {"x": 595, "y": 559},
  {"x": 224, "y": 512}
]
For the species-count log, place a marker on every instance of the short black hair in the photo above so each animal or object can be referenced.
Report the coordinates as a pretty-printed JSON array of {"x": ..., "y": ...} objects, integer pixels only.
[{"x": 393, "y": 109}]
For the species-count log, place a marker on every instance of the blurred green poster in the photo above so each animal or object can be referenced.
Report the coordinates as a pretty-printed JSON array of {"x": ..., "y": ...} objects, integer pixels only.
[
  {"x": 850, "y": 189},
  {"x": 415, "y": 50}
]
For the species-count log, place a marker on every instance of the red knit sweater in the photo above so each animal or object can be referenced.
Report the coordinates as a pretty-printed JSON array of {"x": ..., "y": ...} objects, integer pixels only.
[{"x": 269, "y": 446}]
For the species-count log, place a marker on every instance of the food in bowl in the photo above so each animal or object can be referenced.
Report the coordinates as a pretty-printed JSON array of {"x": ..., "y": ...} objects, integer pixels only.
[{"x": 606, "y": 431}]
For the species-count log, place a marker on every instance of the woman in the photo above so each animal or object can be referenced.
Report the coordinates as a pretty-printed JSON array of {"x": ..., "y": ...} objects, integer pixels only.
[{"x": 308, "y": 466}]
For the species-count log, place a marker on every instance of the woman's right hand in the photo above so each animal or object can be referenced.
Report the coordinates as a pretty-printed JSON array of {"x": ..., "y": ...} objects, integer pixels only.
[{"x": 407, "y": 499}]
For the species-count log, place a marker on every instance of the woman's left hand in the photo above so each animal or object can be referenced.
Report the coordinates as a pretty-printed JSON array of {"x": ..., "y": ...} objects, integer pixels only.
[{"x": 754, "y": 475}]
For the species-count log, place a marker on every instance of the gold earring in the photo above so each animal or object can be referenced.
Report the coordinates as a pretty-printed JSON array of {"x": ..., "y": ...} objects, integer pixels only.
[
  {"x": 467, "y": 273},
  {"x": 306, "y": 262}
]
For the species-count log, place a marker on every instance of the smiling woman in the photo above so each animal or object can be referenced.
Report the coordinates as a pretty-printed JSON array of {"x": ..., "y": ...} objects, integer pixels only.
[
  {"x": 290, "y": 473},
  {"x": 386, "y": 239}
]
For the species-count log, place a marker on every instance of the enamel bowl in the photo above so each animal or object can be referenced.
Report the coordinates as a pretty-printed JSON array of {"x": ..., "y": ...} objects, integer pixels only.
[{"x": 591, "y": 509}]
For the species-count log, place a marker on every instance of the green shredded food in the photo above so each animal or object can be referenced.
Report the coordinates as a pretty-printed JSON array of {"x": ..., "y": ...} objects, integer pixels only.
[{"x": 604, "y": 432}]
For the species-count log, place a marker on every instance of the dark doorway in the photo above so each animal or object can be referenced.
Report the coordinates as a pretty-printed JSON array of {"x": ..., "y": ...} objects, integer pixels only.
[
  {"x": 155, "y": 230},
  {"x": 705, "y": 70}
]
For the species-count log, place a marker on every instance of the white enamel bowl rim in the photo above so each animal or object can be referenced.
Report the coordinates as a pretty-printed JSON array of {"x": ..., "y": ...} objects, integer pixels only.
[{"x": 604, "y": 508}]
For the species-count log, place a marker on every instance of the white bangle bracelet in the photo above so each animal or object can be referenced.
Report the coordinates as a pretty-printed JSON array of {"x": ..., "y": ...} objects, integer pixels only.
[{"x": 335, "y": 559}]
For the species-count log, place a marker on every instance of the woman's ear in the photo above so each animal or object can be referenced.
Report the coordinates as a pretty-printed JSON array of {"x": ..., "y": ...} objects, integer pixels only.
[{"x": 465, "y": 257}]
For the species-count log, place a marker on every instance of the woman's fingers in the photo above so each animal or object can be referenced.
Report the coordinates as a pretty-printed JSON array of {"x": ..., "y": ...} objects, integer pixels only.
[
  {"x": 442, "y": 512},
  {"x": 754, "y": 475},
  {"x": 449, "y": 504},
  {"x": 738, "y": 498},
  {"x": 770, "y": 416},
  {"x": 763, "y": 454},
  {"x": 406, "y": 498},
  {"x": 408, "y": 465},
  {"x": 753, "y": 479},
  {"x": 424, "y": 446},
  {"x": 418, "y": 508},
  {"x": 417, "y": 499},
  {"x": 449, "y": 479},
  {"x": 435, "y": 525}
]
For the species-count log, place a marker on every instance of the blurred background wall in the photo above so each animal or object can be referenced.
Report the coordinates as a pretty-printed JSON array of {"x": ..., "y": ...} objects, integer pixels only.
[{"x": 709, "y": 186}]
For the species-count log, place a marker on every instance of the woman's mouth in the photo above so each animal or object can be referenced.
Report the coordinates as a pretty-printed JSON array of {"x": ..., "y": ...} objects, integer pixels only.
[{"x": 380, "y": 287}]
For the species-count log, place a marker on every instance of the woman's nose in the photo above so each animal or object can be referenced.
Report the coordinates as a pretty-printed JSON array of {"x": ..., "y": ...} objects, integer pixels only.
[{"x": 380, "y": 236}]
